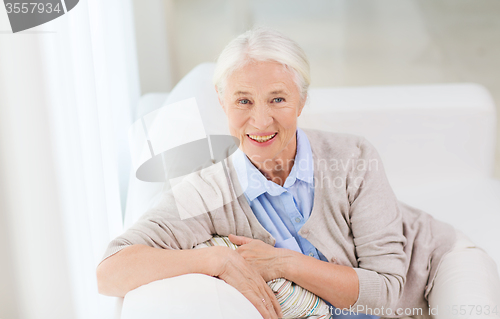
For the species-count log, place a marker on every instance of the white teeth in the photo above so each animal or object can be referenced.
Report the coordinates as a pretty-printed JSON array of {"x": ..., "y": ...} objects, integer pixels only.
[{"x": 262, "y": 139}]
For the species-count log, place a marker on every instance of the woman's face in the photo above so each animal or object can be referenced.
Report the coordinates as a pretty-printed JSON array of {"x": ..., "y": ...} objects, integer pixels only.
[{"x": 262, "y": 103}]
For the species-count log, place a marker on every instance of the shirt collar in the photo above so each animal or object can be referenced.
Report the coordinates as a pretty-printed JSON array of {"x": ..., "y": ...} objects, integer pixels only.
[
  {"x": 302, "y": 169},
  {"x": 303, "y": 159}
]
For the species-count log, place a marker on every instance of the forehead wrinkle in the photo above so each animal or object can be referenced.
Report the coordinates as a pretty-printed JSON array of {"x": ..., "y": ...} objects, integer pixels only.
[
  {"x": 285, "y": 92},
  {"x": 242, "y": 89},
  {"x": 241, "y": 93},
  {"x": 279, "y": 88}
]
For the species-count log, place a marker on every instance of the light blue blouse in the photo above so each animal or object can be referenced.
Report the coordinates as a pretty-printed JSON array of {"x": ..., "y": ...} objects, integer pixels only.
[{"x": 282, "y": 210}]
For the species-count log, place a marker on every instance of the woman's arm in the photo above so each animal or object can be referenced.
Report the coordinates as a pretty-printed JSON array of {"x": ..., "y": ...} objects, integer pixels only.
[
  {"x": 138, "y": 265},
  {"x": 376, "y": 224},
  {"x": 336, "y": 284},
  {"x": 159, "y": 245}
]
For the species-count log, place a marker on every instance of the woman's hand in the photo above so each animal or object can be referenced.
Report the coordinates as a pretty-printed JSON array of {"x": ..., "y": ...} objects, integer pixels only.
[
  {"x": 268, "y": 261},
  {"x": 234, "y": 270}
]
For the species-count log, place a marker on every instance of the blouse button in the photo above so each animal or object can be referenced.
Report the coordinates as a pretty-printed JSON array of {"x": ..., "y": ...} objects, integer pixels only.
[
  {"x": 311, "y": 254},
  {"x": 297, "y": 220}
]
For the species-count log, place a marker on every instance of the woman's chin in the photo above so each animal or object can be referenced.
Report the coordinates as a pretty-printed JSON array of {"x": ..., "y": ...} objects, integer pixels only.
[
  {"x": 258, "y": 152},
  {"x": 257, "y": 156}
]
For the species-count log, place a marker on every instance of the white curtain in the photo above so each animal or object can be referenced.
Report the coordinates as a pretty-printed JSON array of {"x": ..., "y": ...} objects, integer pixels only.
[
  {"x": 83, "y": 71},
  {"x": 95, "y": 92}
]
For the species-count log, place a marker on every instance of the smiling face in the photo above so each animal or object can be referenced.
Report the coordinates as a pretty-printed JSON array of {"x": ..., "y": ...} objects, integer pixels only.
[{"x": 262, "y": 103}]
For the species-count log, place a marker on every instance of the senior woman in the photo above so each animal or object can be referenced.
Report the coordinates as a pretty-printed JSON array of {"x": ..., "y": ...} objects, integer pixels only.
[{"x": 315, "y": 208}]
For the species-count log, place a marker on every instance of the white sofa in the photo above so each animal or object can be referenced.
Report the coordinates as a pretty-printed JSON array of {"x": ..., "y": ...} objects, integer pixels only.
[{"x": 437, "y": 143}]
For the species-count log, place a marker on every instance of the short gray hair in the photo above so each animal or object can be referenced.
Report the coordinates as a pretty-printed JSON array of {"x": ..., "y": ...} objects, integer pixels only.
[{"x": 262, "y": 44}]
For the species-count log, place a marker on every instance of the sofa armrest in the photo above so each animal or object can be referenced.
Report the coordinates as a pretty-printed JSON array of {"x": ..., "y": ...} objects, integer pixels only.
[{"x": 190, "y": 296}]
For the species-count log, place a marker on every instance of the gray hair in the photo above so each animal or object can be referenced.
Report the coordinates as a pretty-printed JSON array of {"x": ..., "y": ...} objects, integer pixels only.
[{"x": 263, "y": 44}]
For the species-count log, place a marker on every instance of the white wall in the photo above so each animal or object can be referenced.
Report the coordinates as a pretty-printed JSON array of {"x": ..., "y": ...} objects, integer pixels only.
[
  {"x": 153, "y": 31},
  {"x": 348, "y": 42}
]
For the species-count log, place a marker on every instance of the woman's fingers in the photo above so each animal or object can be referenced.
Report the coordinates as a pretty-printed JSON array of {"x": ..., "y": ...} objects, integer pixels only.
[
  {"x": 275, "y": 303},
  {"x": 263, "y": 257},
  {"x": 256, "y": 293},
  {"x": 239, "y": 240},
  {"x": 271, "y": 302},
  {"x": 262, "y": 306},
  {"x": 265, "y": 301},
  {"x": 239, "y": 274}
]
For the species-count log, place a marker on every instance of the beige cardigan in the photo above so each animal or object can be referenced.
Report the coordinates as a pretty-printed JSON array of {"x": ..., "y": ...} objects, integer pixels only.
[{"x": 356, "y": 221}]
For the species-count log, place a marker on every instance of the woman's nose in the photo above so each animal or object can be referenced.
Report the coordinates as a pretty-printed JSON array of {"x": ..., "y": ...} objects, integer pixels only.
[{"x": 262, "y": 117}]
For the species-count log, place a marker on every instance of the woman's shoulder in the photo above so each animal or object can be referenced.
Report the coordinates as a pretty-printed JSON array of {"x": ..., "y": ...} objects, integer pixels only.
[
  {"x": 328, "y": 144},
  {"x": 327, "y": 137}
]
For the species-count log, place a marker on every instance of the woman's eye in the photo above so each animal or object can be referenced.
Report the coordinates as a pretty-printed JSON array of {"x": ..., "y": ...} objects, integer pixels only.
[
  {"x": 244, "y": 101},
  {"x": 278, "y": 100}
]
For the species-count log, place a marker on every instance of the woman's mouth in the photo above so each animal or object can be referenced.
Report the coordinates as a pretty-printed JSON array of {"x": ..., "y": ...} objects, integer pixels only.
[{"x": 262, "y": 139}]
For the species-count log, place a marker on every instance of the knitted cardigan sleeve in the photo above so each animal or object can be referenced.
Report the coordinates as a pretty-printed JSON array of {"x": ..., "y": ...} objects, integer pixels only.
[
  {"x": 377, "y": 228},
  {"x": 185, "y": 215}
]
